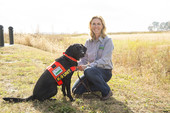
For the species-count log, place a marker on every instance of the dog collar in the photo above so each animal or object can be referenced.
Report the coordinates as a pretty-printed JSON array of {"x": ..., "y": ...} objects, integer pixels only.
[{"x": 73, "y": 59}]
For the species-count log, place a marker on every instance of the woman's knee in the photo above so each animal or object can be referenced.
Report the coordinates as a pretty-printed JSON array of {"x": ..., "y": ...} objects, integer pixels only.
[
  {"x": 92, "y": 74},
  {"x": 88, "y": 72}
]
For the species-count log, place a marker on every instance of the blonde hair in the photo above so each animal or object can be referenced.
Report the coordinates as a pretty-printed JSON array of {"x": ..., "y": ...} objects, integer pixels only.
[{"x": 103, "y": 31}]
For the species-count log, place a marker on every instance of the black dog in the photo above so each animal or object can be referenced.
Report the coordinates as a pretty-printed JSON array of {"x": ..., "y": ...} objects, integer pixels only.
[{"x": 46, "y": 86}]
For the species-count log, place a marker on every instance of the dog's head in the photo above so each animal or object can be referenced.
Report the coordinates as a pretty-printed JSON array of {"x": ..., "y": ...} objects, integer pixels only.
[{"x": 76, "y": 51}]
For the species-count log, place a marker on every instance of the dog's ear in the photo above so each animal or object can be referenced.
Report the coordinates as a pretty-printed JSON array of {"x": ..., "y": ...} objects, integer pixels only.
[
  {"x": 84, "y": 48},
  {"x": 70, "y": 50},
  {"x": 76, "y": 51},
  {"x": 73, "y": 51}
]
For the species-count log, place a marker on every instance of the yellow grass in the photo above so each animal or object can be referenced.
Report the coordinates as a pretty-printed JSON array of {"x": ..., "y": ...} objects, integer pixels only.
[
  {"x": 142, "y": 54},
  {"x": 141, "y": 74}
]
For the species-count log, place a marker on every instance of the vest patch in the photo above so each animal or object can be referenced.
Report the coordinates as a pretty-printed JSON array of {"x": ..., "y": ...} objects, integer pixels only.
[{"x": 57, "y": 71}]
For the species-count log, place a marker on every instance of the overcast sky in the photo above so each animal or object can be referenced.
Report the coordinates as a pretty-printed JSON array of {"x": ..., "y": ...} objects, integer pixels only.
[{"x": 73, "y": 16}]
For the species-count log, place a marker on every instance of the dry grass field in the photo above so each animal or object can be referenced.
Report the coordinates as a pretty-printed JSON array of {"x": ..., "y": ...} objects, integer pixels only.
[{"x": 140, "y": 81}]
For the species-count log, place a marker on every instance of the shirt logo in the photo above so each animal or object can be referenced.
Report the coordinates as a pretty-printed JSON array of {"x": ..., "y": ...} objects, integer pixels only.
[{"x": 101, "y": 47}]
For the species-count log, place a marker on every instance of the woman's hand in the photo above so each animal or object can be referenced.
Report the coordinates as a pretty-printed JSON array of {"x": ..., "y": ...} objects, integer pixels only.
[{"x": 81, "y": 67}]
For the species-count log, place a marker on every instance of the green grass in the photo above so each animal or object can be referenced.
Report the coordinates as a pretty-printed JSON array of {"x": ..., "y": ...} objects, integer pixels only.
[{"x": 140, "y": 82}]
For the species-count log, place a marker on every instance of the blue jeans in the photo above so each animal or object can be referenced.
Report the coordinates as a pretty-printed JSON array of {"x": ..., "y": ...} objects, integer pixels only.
[{"x": 96, "y": 78}]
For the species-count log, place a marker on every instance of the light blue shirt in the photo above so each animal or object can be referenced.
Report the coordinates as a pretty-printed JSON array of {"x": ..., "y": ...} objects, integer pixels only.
[{"x": 99, "y": 53}]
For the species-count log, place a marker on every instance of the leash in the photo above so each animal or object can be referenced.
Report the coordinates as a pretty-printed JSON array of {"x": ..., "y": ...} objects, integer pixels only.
[{"x": 87, "y": 86}]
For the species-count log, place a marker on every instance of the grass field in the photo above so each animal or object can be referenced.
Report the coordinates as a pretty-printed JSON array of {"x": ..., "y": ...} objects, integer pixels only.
[{"x": 140, "y": 81}]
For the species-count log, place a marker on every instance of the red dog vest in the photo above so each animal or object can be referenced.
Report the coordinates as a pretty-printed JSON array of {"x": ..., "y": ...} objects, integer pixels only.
[{"x": 59, "y": 72}]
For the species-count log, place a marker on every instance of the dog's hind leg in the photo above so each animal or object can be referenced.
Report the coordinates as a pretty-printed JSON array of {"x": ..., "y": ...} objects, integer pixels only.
[{"x": 46, "y": 94}]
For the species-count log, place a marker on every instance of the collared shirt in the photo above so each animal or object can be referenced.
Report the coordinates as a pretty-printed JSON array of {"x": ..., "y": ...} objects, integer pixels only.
[{"x": 99, "y": 53}]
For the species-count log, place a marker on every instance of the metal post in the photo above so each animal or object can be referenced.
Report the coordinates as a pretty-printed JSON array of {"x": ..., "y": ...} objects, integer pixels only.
[
  {"x": 11, "y": 38},
  {"x": 1, "y": 36}
]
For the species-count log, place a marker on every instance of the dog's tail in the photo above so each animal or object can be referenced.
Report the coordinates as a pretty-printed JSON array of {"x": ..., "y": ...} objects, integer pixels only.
[{"x": 15, "y": 100}]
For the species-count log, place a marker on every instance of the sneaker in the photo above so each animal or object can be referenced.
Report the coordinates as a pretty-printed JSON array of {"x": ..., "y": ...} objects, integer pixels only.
[{"x": 108, "y": 96}]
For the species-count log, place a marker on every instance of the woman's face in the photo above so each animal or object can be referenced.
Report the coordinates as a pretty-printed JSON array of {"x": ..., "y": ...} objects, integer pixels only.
[{"x": 96, "y": 26}]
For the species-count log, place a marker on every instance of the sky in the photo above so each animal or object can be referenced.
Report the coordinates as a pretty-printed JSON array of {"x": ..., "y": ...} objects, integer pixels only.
[{"x": 73, "y": 16}]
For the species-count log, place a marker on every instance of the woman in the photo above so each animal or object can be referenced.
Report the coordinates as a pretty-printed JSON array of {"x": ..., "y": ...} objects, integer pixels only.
[{"x": 97, "y": 63}]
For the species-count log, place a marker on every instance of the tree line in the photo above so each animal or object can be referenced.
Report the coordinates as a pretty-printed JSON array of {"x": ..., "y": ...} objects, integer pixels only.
[{"x": 159, "y": 26}]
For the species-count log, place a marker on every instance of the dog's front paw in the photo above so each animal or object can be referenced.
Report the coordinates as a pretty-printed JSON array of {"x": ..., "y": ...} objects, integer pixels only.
[{"x": 71, "y": 98}]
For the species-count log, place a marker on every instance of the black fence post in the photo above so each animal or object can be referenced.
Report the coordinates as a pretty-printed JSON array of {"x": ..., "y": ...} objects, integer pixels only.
[
  {"x": 1, "y": 36},
  {"x": 11, "y": 38}
]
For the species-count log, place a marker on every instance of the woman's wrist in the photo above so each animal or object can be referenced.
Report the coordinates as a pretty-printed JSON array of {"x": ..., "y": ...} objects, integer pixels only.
[{"x": 82, "y": 67}]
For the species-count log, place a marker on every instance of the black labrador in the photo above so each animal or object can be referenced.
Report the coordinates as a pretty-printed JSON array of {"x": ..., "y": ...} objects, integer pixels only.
[{"x": 46, "y": 86}]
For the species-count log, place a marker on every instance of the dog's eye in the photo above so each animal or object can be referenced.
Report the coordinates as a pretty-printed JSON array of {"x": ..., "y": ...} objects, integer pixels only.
[{"x": 79, "y": 47}]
